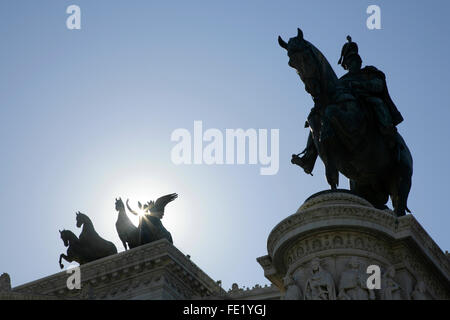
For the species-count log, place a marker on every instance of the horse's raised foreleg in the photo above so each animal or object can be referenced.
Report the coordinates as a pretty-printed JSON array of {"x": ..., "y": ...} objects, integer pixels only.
[
  {"x": 331, "y": 172},
  {"x": 327, "y": 144},
  {"x": 332, "y": 175},
  {"x": 67, "y": 258}
]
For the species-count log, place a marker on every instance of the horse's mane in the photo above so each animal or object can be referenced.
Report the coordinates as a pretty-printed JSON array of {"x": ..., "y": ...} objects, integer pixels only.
[
  {"x": 85, "y": 218},
  {"x": 70, "y": 234},
  {"x": 88, "y": 227},
  {"x": 326, "y": 69}
]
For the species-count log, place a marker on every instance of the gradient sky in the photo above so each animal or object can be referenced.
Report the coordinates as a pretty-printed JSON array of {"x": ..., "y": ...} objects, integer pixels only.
[{"x": 86, "y": 116}]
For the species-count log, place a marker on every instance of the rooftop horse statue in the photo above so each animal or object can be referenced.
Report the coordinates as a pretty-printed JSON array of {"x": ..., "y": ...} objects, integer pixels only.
[
  {"x": 89, "y": 238},
  {"x": 150, "y": 225},
  {"x": 344, "y": 136},
  {"x": 127, "y": 231},
  {"x": 75, "y": 251}
]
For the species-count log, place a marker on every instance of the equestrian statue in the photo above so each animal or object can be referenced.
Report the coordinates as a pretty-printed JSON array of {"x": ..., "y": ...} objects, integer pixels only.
[{"x": 353, "y": 125}]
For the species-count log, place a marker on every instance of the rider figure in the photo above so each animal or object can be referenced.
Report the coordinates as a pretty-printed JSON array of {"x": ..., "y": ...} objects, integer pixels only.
[{"x": 368, "y": 85}]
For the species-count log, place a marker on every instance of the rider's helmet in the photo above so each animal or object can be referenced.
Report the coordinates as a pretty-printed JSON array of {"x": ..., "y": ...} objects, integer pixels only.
[{"x": 350, "y": 49}]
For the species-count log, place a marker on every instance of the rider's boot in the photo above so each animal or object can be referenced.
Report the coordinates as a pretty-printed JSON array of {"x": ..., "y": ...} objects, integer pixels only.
[{"x": 309, "y": 158}]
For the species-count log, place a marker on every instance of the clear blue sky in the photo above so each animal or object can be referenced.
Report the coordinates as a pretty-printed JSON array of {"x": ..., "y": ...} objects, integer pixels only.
[{"x": 86, "y": 116}]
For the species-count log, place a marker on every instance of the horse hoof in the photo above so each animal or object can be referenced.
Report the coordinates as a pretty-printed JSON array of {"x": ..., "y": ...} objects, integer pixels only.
[{"x": 399, "y": 213}]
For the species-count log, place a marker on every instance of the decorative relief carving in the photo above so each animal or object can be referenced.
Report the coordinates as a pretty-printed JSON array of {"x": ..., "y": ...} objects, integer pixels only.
[
  {"x": 341, "y": 240},
  {"x": 381, "y": 238},
  {"x": 320, "y": 285},
  {"x": 352, "y": 285},
  {"x": 390, "y": 289},
  {"x": 87, "y": 292},
  {"x": 419, "y": 292},
  {"x": 293, "y": 291},
  {"x": 433, "y": 285},
  {"x": 370, "y": 215}
]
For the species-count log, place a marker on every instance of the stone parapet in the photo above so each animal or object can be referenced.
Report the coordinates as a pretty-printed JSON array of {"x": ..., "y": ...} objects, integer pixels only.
[{"x": 157, "y": 270}]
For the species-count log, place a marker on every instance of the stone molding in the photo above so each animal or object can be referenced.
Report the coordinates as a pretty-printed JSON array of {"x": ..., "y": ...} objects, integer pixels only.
[
  {"x": 267, "y": 292},
  {"x": 157, "y": 268}
]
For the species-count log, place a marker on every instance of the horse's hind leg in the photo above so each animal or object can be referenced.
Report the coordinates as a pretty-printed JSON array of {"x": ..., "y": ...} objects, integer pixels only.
[
  {"x": 404, "y": 180},
  {"x": 404, "y": 187}
]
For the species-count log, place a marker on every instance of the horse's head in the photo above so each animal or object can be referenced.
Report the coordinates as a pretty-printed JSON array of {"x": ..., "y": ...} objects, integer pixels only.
[
  {"x": 81, "y": 219},
  {"x": 66, "y": 236},
  {"x": 311, "y": 65},
  {"x": 119, "y": 205}
]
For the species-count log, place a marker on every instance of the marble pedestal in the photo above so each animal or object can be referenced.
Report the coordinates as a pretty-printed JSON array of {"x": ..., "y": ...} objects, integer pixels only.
[{"x": 339, "y": 235}]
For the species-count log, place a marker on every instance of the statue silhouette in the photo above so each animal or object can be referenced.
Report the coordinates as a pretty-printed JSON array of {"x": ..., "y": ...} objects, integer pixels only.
[
  {"x": 128, "y": 233},
  {"x": 75, "y": 251},
  {"x": 150, "y": 226},
  {"x": 344, "y": 135}
]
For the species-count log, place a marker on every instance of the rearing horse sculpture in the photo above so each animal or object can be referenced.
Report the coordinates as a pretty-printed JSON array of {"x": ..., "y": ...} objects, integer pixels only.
[
  {"x": 75, "y": 252},
  {"x": 356, "y": 148}
]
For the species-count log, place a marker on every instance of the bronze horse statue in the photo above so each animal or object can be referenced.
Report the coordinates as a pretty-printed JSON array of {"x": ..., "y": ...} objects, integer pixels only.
[
  {"x": 86, "y": 248},
  {"x": 150, "y": 225},
  {"x": 75, "y": 252},
  {"x": 128, "y": 233},
  {"x": 90, "y": 238},
  {"x": 356, "y": 148}
]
